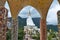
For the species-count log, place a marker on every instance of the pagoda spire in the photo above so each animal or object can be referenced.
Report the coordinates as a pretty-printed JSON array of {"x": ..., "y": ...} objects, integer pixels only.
[
  {"x": 29, "y": 14},
  {"x": 29, "y": 20}
]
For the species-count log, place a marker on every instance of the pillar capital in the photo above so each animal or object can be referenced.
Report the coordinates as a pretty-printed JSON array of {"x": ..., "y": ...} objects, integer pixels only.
[
  {"x": 2, "y": 2},
  {"x": 59, "y": 1}
]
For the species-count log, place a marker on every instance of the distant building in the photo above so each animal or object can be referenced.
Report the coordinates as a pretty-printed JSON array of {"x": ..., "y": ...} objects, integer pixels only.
[{"x": 30, "y": 24}]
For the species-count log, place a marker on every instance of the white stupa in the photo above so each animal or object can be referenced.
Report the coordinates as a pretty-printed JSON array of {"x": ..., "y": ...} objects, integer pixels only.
[
  {"x": 29, "y": 20},
  {"x": 30, "y": 24}
]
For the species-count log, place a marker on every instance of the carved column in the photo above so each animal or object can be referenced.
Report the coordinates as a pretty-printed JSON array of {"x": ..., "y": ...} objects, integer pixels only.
[
  {"x": 58, "y": 13},
  {"x": 3, "y": 22},
  {"x": 14, "y": 31},
  {"x": 43, "y": 30}
]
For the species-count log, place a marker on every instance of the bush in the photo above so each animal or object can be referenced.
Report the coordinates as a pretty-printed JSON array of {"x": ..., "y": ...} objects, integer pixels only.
[
  {"x": 8, "y": 35},
  {"x": 52, "y": 34},
  {"x": 36, "y": 36},
  {"x": 21, "y": 33}
]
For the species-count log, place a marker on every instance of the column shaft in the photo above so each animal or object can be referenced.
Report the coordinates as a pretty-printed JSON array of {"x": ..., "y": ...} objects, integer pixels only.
[
  {"x": 3, "y": 22},
  {"x": 43, "y": 31},
  {"x": 14, "y": 31}
]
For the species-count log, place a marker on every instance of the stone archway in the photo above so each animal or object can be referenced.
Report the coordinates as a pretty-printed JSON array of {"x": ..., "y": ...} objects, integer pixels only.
[
  {"x": 2, "y": 3},
  {"x": 23, "y": 23},
  {"x": 58, "y": 15},
  {"x": 41, "y": 5},
  {"x": 59, "y": 1}
]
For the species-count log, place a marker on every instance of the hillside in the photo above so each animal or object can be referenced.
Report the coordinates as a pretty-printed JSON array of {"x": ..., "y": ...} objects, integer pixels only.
[{"x": 22, "y": 23}]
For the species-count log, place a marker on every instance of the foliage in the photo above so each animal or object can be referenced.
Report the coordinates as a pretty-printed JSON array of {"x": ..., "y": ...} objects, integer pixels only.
[
  {"x": 21, "y": 33},
  {"x": 8, "y": 35},
  {"x": 36, "y": 36},
  {"x": 52, "y": 34}
]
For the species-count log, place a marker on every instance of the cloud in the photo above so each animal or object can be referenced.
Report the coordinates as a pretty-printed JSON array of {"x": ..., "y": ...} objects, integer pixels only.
[
  {"x": 23, "y": 13},
  {"x": 7, "y": 6},
  {"x": 55, "y": 2},
  {"x": 51, "y": 17},
  {"x": 52, "y": 14}
]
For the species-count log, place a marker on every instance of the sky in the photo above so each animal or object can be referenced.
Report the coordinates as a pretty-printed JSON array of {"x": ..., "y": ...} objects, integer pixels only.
[
  {"x": 51, "y": 15},
  {"x": 7, "y": 6},
  {"x": 34, "y": 13}
]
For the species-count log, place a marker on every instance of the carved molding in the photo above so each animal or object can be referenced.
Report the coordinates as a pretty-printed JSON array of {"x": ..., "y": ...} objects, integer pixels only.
[
  {"x": 41, "y": 5},
  {"x": 2, "y": 2},
  {"x": 59, "y": 1}
]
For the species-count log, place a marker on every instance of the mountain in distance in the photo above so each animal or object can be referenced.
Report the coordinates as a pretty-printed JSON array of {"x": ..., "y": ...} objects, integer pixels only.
[
  {"x": 22, "y": 23},
  {"x": 53, "y": 27}
]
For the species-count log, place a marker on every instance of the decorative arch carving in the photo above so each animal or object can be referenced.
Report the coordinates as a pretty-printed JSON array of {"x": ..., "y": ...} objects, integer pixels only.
[
  {"x": 41, "y": 6},
  {"x": 59, "y": 1},
  {"x": 3, "y": 22},
  {"x": 2, "y": 2}
]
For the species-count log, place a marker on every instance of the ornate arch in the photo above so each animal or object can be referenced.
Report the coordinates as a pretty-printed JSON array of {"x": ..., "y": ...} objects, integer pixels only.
[
  {"x": 2, "y": 2},
  {"x": 59, "y": 1},
  {"x": 41, "y": 5}
]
